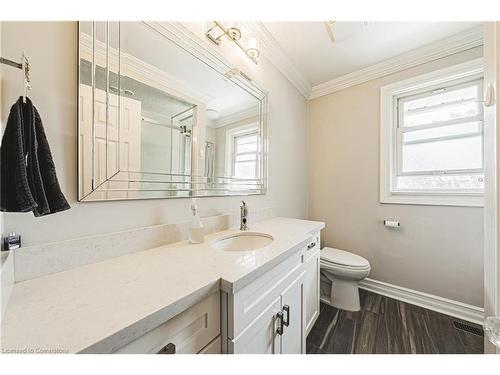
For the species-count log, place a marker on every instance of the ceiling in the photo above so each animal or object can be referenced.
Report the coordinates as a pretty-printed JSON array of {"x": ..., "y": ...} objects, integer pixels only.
[{"x": 357, "y": 44}]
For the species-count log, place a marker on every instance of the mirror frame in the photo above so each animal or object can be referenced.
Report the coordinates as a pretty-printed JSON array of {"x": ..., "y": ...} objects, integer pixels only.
[{"x": 200, "y": 186}]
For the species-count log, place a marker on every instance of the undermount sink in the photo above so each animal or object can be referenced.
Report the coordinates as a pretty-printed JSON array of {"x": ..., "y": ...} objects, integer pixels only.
[{"x": 242, "y": 241}]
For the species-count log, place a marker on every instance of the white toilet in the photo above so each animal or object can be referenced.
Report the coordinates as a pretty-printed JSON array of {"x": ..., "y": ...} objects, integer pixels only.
[{"x": 340, "y": 273}]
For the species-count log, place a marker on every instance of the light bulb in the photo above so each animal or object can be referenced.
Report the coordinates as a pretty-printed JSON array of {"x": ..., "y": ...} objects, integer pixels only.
[
  {"x": 233, "y": 30},
  {"x": 253, "y": 43},
  {"x": 253, "y": 48}
]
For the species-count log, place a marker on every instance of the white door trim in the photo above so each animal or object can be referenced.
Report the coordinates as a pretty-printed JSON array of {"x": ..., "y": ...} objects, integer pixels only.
[{"x": 492, "y": 193}]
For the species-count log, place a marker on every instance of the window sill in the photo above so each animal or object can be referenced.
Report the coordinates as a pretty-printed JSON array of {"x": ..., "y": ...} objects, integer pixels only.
[{"x": 433, "y": 199}]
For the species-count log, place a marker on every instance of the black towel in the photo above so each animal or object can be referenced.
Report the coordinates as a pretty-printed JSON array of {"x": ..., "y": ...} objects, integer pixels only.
[{"x": 28, "y": 174}]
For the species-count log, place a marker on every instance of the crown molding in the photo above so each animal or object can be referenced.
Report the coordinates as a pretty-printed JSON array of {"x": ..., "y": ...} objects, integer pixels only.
[
  {"x": 273, "y": 51},
  {"x": 430, "y": 52},
  {"x": 249, "y": 113},
  {"x": 139, "y": 70}
]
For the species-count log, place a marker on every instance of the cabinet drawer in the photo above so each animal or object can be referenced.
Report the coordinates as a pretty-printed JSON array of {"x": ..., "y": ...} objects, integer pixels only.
[
  {"x": 313, "y": 246},
  {"x": 190, "y": 331},
  {"x": 249, "y": 302}
]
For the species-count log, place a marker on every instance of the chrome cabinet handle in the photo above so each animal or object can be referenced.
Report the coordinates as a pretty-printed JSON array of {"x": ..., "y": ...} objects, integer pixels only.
[
  {"x": 311, "y": 245},
  {"x": 286, "y": 322},
  {"x": 279, "y": 330},
  {"x": 167, "y": 349}
]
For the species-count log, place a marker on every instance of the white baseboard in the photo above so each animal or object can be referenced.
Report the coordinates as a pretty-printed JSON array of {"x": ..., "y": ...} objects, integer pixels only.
[{"x": 443, "y": 305}]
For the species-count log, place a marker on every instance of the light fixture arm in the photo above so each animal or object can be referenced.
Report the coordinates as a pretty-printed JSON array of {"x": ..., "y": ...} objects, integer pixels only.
[{"x": 217, "y": 31}]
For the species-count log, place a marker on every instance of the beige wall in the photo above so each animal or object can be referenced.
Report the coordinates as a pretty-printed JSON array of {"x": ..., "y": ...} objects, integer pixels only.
[
  {"x": 437, "y": 250},
  {"x": 52, "y": 49}
]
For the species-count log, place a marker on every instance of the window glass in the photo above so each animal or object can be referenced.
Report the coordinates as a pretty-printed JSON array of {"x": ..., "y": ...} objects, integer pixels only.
[
  {"x": 439, "y": 139},
  {"x": 244, "y": 170},
  {"x": 245, "y": 158},
  {"x": 441, "y": 105},
  {"x": 454, "y": 147},
  {"x": 442, "y": 183}
]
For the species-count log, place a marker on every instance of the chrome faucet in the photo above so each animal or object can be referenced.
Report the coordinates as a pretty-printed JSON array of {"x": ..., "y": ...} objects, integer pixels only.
[{"x": 243, "y": 216}]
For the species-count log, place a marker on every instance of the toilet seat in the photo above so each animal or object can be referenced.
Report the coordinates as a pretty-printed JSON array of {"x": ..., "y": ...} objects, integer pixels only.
[
  {"x": 343, "y": 259},
  {"x": 333, "y": 267}
]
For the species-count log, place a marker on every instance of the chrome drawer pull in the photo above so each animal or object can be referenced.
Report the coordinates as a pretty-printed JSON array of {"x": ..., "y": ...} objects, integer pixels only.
[
  {"x": 279, "y": 316},
  {"x": 286, "y": 322},
  {"x": 311, "y": 245}
]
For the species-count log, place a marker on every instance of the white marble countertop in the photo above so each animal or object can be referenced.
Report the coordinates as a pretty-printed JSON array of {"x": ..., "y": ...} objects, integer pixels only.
[{"x": 102, "y": 306}]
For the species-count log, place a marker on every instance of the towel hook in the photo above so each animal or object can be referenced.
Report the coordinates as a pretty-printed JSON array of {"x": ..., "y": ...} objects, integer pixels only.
[
  {"x": 24, "y": 65},
  {"x": 26, "y": 75}
]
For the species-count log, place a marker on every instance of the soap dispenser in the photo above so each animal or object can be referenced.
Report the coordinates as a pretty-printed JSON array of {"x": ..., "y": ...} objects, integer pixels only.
[{"x": 196, "y": 230}]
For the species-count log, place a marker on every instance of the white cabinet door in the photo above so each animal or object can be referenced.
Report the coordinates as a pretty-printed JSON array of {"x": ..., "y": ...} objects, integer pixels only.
[
  {"x": 311, "y": 289},
  {"x": 292, "y": 300},
  {"x": 260, "y": 336}
]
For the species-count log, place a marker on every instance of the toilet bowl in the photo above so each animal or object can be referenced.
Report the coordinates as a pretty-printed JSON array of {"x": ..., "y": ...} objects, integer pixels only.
[{"x": 340, "y": 273}]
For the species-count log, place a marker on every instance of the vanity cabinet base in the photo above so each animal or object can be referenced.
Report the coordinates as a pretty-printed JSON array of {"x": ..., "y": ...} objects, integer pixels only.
[
  {"x": 312, "y": 283},
  {"x": 192, "y": 331},
  {"x": 272, "y": 314}
]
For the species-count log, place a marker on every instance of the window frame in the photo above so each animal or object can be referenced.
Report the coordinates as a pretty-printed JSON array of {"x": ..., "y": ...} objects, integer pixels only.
[
  {"x": 390, "y": 150},
  {"x": 232, "y": 132},
  {"x": 234, "y": 153}
]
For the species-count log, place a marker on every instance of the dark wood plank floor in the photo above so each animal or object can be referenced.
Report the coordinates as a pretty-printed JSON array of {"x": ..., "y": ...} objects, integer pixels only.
[{"x": 388, "y": 326}]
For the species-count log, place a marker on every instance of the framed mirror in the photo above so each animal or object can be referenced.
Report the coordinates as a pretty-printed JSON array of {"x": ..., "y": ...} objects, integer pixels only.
[{"x": 160, "y": 115}]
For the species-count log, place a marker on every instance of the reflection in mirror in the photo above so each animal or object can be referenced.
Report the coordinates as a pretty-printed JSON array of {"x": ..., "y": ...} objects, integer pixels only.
[{"x": 155, "y": 120}]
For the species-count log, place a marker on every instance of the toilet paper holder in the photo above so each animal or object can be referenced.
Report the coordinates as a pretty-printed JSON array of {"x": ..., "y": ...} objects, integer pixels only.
[{"x": 392, "y": 224}]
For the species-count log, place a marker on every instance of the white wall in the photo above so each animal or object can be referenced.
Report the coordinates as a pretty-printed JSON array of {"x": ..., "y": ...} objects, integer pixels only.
[
  {"x": 438, "y": 250},
  {"x": 52, "y": 49}
]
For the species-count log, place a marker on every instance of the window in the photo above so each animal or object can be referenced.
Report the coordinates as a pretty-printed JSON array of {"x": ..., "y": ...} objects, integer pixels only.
[
  {"x": 432, "y": 138},
  {"x": 245, "y": 155}
]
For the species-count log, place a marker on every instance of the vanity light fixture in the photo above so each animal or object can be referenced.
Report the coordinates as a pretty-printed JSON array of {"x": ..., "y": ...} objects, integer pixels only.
[
  {"x": 253, "y": 48},
  {"x": 216, "y": 31},
  {"x": 233, "y": 31},
  {"x": 329, "y": 26},
  {"x": 124, "y": 91},
  {"x": 234, "y": 72}
]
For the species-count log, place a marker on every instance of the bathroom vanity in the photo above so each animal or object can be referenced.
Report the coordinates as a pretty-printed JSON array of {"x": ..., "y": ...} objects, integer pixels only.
[
  {"x": 178, "y": 298},
  {"x": 269, "y": 315}
]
